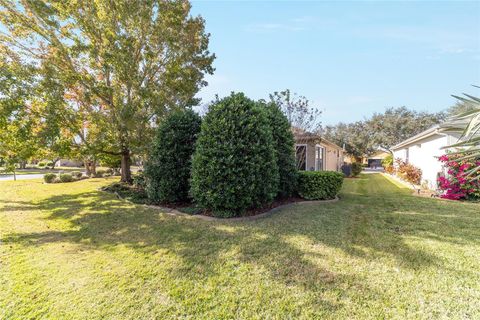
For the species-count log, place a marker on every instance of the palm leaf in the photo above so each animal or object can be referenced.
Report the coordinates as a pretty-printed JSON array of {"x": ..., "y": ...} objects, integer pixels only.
[{"x": 468, "y": 124}]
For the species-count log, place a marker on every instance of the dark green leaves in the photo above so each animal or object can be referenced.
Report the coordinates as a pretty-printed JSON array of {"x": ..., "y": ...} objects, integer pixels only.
[
  {"x": 234, "y": 166},
  {"x": 319, "y": 185},
  {"x": 167, "y": 170}
]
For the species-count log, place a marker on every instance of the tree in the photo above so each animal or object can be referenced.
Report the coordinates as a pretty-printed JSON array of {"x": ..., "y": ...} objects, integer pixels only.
[
  {"x": 122, "y": 64},
  {"x": 382, "y": 130},
  {"x": 284, "y": 146},
  {"x": 16, "y": 144},
  {"x": 397, "y": 124},
  {"x": 460, "y": 107},
  {"x": 298, "y": 111},
  {"x": 234, "y": 166},
  {"x": 168, "y": 168},
  {"x": 354, "y": 137},
  {"x": 18, "y": 122}
]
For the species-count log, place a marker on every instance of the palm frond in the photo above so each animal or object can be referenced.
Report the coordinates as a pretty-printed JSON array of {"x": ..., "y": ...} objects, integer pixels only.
[{"x": 468, "y": 125}]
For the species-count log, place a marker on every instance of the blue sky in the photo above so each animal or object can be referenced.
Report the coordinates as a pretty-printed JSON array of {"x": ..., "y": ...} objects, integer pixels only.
[{"x": 350, "y": 58}]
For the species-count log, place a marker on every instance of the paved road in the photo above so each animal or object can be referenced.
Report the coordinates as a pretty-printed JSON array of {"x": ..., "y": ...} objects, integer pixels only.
[{"x": 6, "y": 177}]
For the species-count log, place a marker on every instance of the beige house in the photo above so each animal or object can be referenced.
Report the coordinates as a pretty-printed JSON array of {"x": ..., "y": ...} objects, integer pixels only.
[{"x": 314, "y": 153}]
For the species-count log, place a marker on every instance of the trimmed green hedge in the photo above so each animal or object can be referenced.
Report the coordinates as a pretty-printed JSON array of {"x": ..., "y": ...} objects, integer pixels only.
[
  {"x": 284, "y": 146},
  {"x": 168, "y": 168},
  {"x": 234, "y": 167},
  {"x": 319, "y": 185}
]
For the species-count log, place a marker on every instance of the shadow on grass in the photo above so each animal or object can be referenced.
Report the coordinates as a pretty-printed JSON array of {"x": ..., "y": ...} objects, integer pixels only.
[{"x": 370, "y": 221}]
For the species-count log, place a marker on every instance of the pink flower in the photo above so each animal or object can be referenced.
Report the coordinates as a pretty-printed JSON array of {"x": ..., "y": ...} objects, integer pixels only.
[{"x": 443, "y": 158}]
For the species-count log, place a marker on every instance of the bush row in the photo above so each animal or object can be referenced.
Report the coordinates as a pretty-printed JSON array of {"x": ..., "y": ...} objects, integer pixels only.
[
  {"x": 62, "y": 177},
  {"x": 72, "y": 176},
  {"x": 240, "y": 157}
]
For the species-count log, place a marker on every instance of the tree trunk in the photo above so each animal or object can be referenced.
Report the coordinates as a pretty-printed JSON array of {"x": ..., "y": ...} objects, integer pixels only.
[
  {"x": 23, "y": 164},
  {"x": 54, "y": 162},
  {"x": 87, "y": 168},
  {"x": 126, "y": 173},
  {"x": 14, "y": 175},
  {"x": 93, "y": 167}
]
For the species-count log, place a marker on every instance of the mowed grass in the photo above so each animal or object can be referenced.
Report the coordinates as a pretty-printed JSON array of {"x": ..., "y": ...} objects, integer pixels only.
[{"x": 70, "y": 251}]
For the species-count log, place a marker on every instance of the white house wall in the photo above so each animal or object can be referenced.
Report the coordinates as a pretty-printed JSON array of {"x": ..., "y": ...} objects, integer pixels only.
[{"x": 424, "y": 154}]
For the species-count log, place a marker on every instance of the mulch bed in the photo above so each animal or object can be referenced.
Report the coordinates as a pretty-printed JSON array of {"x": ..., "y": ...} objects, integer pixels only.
[{"x": 138, "y": 196}]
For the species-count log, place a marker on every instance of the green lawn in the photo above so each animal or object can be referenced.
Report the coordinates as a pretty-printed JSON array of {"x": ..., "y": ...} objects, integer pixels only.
[{"x": 72, "y": 252}]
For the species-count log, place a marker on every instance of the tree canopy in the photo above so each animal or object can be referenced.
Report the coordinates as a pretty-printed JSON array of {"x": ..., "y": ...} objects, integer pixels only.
[
  {"x": 382, "y": 130},
  {"x": 112, "y": 66},
  {"x": 397, "y": 124}
]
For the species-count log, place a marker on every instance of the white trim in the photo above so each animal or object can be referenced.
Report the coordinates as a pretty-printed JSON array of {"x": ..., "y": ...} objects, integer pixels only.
[
  {"x": 306, "y": 153},
  {"x": 435, "y": 130},
  {"x": 324, "y": 157}
]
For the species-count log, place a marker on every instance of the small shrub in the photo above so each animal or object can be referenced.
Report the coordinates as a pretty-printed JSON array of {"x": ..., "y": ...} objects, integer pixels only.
[
  {"x": 234, "y": 167},
  {"x": 100, "y": 173},
  {"x": 49, "y": 164},
  {"x": 389, "y": 169},
  {"x": 49, "y": 177},
  {"x": 66, "y": 177},
  {"x": 408, "y": 172},
  {"x": 77, "y": 174},
  {"x": 41, "y": 164},
  {"x": 319, "y": 185},
  {"x": 387, "y": 161},
  {"x": 139, "y": 181},
  {"x": 168, "y": 168},
  {"x": 356, "y": 169}
]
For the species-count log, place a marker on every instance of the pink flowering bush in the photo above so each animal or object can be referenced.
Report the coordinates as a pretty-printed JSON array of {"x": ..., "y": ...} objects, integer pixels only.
[{"x": 457, "y": 184}]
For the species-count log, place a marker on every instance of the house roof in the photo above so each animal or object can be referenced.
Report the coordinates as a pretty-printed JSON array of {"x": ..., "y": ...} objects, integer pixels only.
[
  {"x": 311, "y": 137},
  {"x": 422, "y": 135}
]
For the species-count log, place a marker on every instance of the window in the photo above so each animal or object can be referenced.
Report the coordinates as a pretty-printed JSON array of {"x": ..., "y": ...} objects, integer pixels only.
[
  {"x": 407, "y": 154},
  {"x": 301, "y": 156},
  {"x": 319, "y": 158}
]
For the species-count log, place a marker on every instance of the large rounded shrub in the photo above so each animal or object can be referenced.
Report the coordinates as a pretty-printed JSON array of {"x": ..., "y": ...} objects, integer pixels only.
[
  {"x": 234, "y": 166},
  {"x": 168, "y": 168},
  {"x": 284, "y": 146}
]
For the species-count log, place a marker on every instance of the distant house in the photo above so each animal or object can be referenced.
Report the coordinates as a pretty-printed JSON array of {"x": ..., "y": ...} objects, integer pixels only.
[
  {"x": 314, "y": 153},
  {"x": 375, "y": 160},
  {"x": 423, "y": 150},
  {"x": 69, "y": 163}
]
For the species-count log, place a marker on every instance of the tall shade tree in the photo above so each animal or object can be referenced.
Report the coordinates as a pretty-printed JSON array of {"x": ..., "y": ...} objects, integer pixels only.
[
  {"x": 397, "y": 124},
  {"x": 18, "y": 121},
  {"x": 120, "y": 64},
  {"x": 354, "y": 137}
]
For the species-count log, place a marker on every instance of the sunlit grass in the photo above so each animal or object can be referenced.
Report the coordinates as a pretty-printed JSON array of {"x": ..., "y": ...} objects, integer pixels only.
[{"x": 71, "y": 251}]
